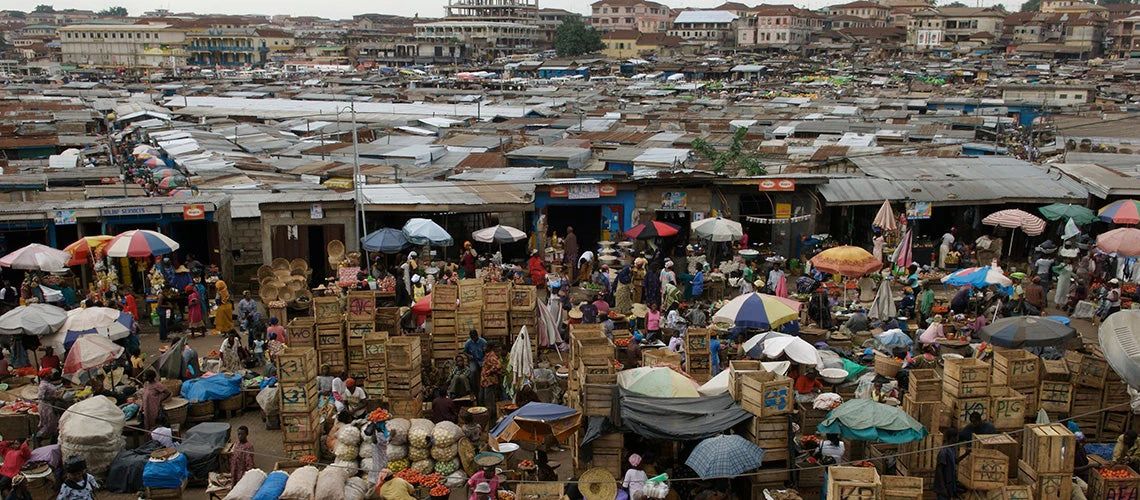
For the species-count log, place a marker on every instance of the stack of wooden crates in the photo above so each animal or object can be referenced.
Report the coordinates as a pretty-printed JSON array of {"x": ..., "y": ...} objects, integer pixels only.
[
  {"x": 698, "y": 359},
  {"x": 446, "y": 339},
  {"x": 770, "y": 399},
  {"x": 497, "y": 313},
  {"x": 524, "y": 311},
  {"x": 469, "y": 316},
  {"x": 593, "y": 378},
  {"x": 923, "y": 401},
  {"x": 297, "y": 378},
  {"x": 361, "y": 324},
  {"x": 1019, "y": 371},
  {"x": 328, "y": 314},
  {"x": 1047, "y": 457},
  {"x": 404, "y": 371},
  {"x": 965, "y": 389}
]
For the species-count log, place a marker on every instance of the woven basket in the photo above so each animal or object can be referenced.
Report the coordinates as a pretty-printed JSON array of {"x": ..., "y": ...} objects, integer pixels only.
[
  {"x": 233, "y": 403},
  {"x": 176, "y": 410},
  {"x": 886, "y": 365}
]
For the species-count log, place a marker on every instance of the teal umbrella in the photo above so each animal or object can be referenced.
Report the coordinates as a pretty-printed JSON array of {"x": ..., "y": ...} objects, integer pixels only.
[
  {"x": 867, "y": 420},
  {"x": 1057, "y": 211}
]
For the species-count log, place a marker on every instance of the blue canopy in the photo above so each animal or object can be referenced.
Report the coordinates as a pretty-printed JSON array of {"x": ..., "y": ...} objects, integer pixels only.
[
  {"x": 544, "y": 412},
  {"x": 212, "y": 388},
  {"x": 386, "y": 240}
]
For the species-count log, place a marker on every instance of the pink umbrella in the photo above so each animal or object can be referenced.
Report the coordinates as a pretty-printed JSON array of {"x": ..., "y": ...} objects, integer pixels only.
[
  {"x": 904, "y": 254},
  {"x": 154, "y": 162},
  {"x": 1124, "y": 242},
  {"x": 782, "y": 287},
  {"x": 90, "y": 352}
]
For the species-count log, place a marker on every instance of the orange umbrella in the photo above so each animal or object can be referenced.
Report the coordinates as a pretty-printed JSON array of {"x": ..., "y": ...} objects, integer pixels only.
[
  {"x": 84, "y": 250},
  {"x": 846, "y": 261}
]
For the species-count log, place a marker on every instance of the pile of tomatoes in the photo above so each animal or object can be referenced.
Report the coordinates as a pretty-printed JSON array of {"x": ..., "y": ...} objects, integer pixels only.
[
  {"x": 622, "y": 342},
  {"x": 440, "y": 491},
  {"x": 415, "y": 477},
  {"x": 378, "y": 415},
  {"x": 308, "y": 459},
  {"x": 526, "y": 464},
  {"x": 1115, "y": 473}
]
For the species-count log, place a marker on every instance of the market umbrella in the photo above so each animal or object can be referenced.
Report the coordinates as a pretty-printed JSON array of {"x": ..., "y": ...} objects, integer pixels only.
[
  {"x": 795, "y": 348},
  {"x": 85, "y": 249},
  {"x": 422, "y": 307},
  {"x": 182, "y": 192},
  {"x": 105, "y": 321},
  {"x": 427, "y": 232},
  {"x": 36, "y": 257},
  {"x": 154, "y": 162},
  {"x": 173, "y": 181},
  {"x": 650, "y": 230},
  {"x": 658, "y": 382},
  {"x": 718, "y": 229},
  {"x": 1119, "y": 337},
  {"x": 868, "y": 420},
  {"x": 1121, "y": 212},
  {"x": 90, "y": 352},
  {"x": 886, "y": 219},
  {"x": 1013, "y": 218},
  {"x": 904, "y": 253},
  {"x": 846, "y": 260},
  {"x": 751, "y": 344},
  {"x": 140, "y": 243},
  {"x": 385, "y": 240},
  {"x": 1124, "y": 242},
  {"x": 170, "y": 364},
  {"x": 756, "y": 310},
  {"x": 725, "y": 456},
  {"x": 535, "y": 422},
  {"x": 1076, "y": 213},
  {"x": 883, "y": 307},
  {"x": 32, "y": 319},
  {"x": 521, "y": 358},
  {"x": 978, "y": 277},
  {"x": 142, "y": 149},
  {"x": 1017, "y": 332},
  {"x": 498, "y": 234}
]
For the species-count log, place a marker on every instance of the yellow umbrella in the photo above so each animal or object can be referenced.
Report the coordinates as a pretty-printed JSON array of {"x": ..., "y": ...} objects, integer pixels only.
[
  {"x": 846, "y": 261},
  {"x": 85, "y": 248}
]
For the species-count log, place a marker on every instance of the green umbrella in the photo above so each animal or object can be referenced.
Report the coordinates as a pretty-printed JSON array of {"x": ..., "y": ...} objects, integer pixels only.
[
  {"x": 867, "y": 420},
  {"x": 1080, "y": 215}
]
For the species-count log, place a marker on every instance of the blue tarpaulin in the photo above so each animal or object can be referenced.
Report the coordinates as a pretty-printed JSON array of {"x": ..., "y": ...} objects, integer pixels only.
[
  {"x": 212, "y": 388},
  {"x": 273, "y": 486},
  {"x": 168, "y": 474},
  {"x": 544, "y": 412}
]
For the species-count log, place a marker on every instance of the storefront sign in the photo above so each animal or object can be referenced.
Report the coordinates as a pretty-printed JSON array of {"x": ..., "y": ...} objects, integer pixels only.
[
  {"x": 674, "y": 199},
  {"x": 193, "y": 212},
  {"x": 316, "y": 211},
  {"x": 583, "y": 191},
  {"x": 918, "y": 209},
  {"x": 129, "y": 211},
  {"x": 783, "y": 210},
  {"x": 777, "y": 185},
  {"x": 63, "y": 217}
]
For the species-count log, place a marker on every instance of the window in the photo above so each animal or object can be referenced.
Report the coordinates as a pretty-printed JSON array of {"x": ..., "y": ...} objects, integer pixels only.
[
  {"x": 1078, "y": 96},
  {"x": 1063, "y": 96},
  {"x": 629, "y": 10}
]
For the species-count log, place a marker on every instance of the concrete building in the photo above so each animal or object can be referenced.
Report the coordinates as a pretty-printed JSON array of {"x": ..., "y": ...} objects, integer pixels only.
[
  {"x": 712, "y": 28},
  {"x": 629, "y": 43},
  {"x": 222, "y": 42},
  {"x": 878, "y": 14},
  {"x": 1125, "y": 42},
  {"x": 779, "y": 26},
  {"x": 131, "y": 46},
  {"x": 641, "y": 15},
  {"x": 1049, "y": 95},
  {"x": 934, "y": 26},
  {"x": 485, "y": 29},
  {"x": 548, "y": 22}
]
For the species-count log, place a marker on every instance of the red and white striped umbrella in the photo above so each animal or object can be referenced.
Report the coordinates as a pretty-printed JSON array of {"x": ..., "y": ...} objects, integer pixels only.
[
  {"x": 1014, "y": 219},
  {"x": 89, "y": 352},
  {"x": 140, "y": 243}
]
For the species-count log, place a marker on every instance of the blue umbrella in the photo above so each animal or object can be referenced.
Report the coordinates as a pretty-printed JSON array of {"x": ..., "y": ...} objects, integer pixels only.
[
  {"x": 867, "y": 420},
  {"x": 725, "y": 456},
  {"x": 121, "y": 328},
  {"x": 978, "y": 277},
  {"x": 535, "y": 421},
  {"x": 386, "y": 240}
]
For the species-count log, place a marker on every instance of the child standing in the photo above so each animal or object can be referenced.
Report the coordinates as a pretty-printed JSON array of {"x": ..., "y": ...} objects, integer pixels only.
[
  {"x": 242, "y": 458},
  {"x": 653, "y": 322}
]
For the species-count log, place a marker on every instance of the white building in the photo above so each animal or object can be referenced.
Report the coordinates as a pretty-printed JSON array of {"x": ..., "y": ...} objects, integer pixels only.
[
  {"x": 122, "y": 45},
  {"x": 714, "y": 28}
]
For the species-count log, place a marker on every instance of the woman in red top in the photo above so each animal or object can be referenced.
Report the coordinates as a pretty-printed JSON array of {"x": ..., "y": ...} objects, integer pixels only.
[
  {"x": 537, "y": 269},
  {"x": 15, "y": 454},
  {"x": 806, "y": 385}
]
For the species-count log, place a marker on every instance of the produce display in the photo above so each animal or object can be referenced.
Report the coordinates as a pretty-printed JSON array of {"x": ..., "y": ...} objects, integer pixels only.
[
  {"x": 440, "y": 491},
  {"x": 378, "y": 415},
  {"x": 1117, "y": 473}
]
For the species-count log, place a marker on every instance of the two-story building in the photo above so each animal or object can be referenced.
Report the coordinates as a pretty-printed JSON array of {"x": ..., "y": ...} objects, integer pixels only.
[
  {"x": 877, "y": 13},
  {"x": 231, "y": 42},
  {"x": 131, "y": 46},
  {"x": 711, "y": 28},
  {"x": 1126, "y": 37},
  {"x": 641, "y": 15},
  {"x": 1049, "y": 95},
  {"x": 934, "y": 26},
  {"x": 626, "y": 44},
  {"x": 779, "y": 25}
]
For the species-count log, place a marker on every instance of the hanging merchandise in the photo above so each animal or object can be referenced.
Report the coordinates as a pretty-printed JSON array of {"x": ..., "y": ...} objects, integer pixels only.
[{"x": 790, "y": 220}]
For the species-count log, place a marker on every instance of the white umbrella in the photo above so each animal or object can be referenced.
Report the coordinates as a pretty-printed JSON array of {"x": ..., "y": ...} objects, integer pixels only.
[
  {"x": 36, "y": 257},
  {"x": 885, "y": 219},
  {"x": 32, "y": 319},
  {"x": 756, "y": 339},
  {"x": 498, "y": 234},
  {"x": 521, "y": 360},
  {"x": 795, "y": 348},
  {"x": 884, "y": 305},
  {"x": 718, "y": 229},
  {"x": 104, "y": 321},
  {"x": 719, "y": 383},
  {"x": 427, "y": 232}
]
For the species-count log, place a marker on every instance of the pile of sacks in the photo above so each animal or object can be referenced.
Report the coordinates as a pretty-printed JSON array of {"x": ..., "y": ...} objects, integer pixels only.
[
  {"x": 423, "y": 446},
  {"x": 92, "y": 429}
]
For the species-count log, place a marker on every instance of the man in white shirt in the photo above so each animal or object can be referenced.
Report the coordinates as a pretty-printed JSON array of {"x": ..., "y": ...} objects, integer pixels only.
[{"x": 947, "y": 243}]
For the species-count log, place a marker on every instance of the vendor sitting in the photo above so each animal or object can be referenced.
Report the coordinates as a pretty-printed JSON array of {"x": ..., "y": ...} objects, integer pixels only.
[
  {"x": 933, "y": 332},
  {"x": 858, "y": 322},
  {"x": 808, "y": 386},
  {"x": 881, "y": 395}
]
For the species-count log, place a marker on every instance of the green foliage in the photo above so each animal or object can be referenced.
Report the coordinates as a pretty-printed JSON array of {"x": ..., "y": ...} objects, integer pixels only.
[
  {"x": 116, "y": 11},
  {"x": 734, "y": 155},
  {"x": 574, "y": 38},
  {"x": 1031, "y": 6},
  {"x": 955, "y": 4},
  {"x": 44, "y": 8}
]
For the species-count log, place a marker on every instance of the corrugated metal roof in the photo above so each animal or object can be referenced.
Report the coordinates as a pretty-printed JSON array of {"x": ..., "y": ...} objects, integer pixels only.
[{"x": 705, "y": 16}]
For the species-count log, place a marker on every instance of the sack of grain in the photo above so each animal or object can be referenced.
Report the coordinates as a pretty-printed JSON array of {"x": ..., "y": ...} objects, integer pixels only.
[{"x": 301, "y": 485}]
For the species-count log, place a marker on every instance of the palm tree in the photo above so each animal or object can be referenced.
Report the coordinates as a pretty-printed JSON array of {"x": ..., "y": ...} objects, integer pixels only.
[{"x": 734, "y": 155}]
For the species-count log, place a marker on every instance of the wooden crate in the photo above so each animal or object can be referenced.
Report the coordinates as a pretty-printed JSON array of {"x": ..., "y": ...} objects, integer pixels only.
[
  {"x": 470, "y": 295},
  {"x": 961, "y": 408},
  {"x": 984, "y": 470},
  {"x": 1046, "y": 486},
  {"x": 495, "y": 321},
  {"x": 902, "y": 488},
  {"x": 776, "y": 475},
  {"x": 1003, "y": 443},
  {"x": 1116, "y": 396},
  {"x": 403, "y": 353},
  {"x": 301, "y": 427},
  {"x": 497, "y": 297},
  {"x": 965, "y": 378},
  {"x": 925, "y": 385},
  {"x": 402, "y": 384},
  {"x": 524, "y": 317},
  {"x": 928, "y": 413},
  {"x": 808, "y": 417},
  {"x": 406, "y": 407},
  {"x": 1093, "y": 371},
  {"x": 654, "y": 357},
  {"x": 772, "y": 434},
  {"x": 1048, "y": 448},
  {"x": 465, "y": 321},
  {"x": 281, "y": 313},
  {"x": 301, "y": 332},
  {"x": 297, "y": 450},
  {"x": 334, "y": 359},
  {"x": 1055, "y": 397},
  {"x": 327, "y": 310},
  {"x": 1016, "y": 368},
  {"x": 594, "y": 351},
  {"x": 354, "y": 354},
  {"x": 523, "y": 298},
  {"x": 598, "y": 399},
  {"x": 358, "y": 371},
  {"x": 921, "y": 456},
  {"x": 766, "y": 398},
  {"x": 1054, "y": 369},
  {"x": 297, "y": 365},
  {"x": 361, "y": 305},
  {"x": 809, "y": 477},
  {"x": 1007, "y": 408},
  {"x": 737, "y": 370},
  {"x": 443, "y": 298},
  {"x": 698, "y": 359},
  {"x": 540, "y": 491},
  {"x": 1116, "y": 422},
  {"x": 326, "y": 341},
  {"x": 853, "y": 483},
  {"x": 299, "y": 397},
  {"x": 355, "y": 331},
  {"x": 1102, "y": 488},
  {"x": 1008, "y": 492},
  {"x": 388, "y": 319}
]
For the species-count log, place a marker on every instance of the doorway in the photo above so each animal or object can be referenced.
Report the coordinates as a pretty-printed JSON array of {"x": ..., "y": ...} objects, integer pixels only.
[{"x": 585, "y": 219}]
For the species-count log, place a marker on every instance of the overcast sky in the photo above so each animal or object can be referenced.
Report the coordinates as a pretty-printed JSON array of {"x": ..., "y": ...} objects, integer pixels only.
[{"x": 343, "y": 9}]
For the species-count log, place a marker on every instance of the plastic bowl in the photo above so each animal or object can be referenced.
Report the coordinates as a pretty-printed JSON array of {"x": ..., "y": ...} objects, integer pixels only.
[{"x": 833, "y": 376}]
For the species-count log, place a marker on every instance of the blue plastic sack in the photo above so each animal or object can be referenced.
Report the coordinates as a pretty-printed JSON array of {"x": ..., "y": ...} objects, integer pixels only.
[
  {"x": 168, "y": 474},
  {"x": 273, "y": 486},
  {"x": 212, "y": 388}
]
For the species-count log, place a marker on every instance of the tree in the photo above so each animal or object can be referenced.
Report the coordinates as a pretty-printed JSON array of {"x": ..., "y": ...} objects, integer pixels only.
[
  {"x": 44, "y": 8},
  {"x": 116, "y": 11},
  {"x": 734, "y": 155},
  {"x": 574, "y": 38},
  {"x": 1031, "y": 6},
  {"x": 955, "y": 4}
]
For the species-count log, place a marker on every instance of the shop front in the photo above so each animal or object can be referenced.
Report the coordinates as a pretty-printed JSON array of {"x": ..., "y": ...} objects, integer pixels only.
[{"x": 596, "y": 211}]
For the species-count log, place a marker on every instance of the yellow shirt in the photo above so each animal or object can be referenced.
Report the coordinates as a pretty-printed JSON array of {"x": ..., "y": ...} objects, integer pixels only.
[{"x": 397, "y": 489}]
